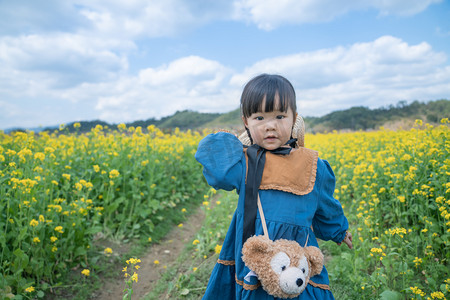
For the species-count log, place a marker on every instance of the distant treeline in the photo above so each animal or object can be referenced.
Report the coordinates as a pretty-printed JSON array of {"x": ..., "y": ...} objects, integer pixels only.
[
  {"x": 355, "y": 118},
  {"x": 363, "y": 118}
]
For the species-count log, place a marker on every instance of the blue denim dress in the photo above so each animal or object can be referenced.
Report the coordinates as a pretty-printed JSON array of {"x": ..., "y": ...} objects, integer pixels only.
[{"x": 289, "y": 216}]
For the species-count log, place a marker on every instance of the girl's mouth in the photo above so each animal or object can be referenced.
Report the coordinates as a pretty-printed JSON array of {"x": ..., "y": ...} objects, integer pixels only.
[{"x": 270, "y": 138}]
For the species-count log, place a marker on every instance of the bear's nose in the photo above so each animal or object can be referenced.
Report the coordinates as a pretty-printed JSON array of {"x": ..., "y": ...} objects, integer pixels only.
[{"x": 299, "y": 282}]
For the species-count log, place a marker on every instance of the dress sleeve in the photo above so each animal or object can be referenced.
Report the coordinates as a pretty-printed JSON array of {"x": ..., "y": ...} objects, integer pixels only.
[
  {"x": 223, "y": 160},
  {"x": 329, "y": 222}
]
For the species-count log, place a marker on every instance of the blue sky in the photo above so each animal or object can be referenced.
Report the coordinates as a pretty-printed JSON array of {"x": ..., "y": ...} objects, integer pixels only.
[{"x": 120, "y": 61}]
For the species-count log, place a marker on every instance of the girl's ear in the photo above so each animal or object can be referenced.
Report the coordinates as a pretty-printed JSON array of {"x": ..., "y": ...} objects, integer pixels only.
[
  {"x": 295, "y": 118},
  {"x": 244, "y": 119}
]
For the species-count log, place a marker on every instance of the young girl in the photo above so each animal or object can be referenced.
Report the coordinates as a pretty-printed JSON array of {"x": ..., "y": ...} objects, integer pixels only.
[{"x": 295, "y": 188}]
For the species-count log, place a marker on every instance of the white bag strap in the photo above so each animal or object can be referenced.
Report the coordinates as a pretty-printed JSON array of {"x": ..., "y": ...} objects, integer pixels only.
[{"x": 263, "y": 219}]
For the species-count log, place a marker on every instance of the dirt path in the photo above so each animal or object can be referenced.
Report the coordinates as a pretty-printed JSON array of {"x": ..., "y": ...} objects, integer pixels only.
[{"x": 166, "y": 252}]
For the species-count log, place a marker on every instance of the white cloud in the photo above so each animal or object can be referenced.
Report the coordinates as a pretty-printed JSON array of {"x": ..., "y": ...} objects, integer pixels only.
[
  {"x": 269, "y": 14},
  {"x": 188, "y": 83},
  {"x": 157, "y": 18},
  {"x": 372, "y": 74},
  {"x": 59, "y": 60}
]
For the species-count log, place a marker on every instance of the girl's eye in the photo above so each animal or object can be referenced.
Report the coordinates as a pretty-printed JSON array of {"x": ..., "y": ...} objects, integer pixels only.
[
  {"x": 280, "y": 117},
  {"x": 259, "y": 118}
]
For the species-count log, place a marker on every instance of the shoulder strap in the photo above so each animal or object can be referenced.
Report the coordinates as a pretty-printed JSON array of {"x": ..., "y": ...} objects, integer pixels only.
[{"x": 263, "y": 219}]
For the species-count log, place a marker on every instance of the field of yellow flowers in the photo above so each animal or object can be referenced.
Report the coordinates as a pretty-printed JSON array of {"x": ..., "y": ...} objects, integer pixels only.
[
  {"x": 395, "y": 189},
  {"x": 59, "y": 191}
]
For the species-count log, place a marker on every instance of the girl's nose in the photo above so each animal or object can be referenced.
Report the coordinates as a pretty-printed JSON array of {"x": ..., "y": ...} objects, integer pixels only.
[{"x": 271, "y": 125}]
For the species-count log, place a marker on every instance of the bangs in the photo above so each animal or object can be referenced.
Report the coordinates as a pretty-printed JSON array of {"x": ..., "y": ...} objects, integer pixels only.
[{"x": 267, "y": 87}]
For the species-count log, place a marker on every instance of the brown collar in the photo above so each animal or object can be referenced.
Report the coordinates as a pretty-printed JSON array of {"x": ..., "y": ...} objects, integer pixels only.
[{"x": 294, "y": 173}]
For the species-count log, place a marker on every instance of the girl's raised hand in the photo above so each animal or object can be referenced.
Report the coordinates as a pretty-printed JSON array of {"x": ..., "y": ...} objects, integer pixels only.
[{"x": 347, "y": 240}]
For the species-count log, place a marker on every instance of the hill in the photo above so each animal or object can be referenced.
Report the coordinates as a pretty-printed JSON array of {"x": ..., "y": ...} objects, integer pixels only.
[{"x": 402, "y": 115}]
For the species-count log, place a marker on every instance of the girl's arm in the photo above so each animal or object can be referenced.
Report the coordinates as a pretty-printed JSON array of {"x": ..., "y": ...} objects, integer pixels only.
[
  {"x": 222, "y": 157},
  {"x": 329, "y": 222}
]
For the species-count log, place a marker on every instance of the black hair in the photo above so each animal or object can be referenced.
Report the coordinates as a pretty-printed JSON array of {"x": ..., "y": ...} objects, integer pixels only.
[{"x": 268, "y": 86}]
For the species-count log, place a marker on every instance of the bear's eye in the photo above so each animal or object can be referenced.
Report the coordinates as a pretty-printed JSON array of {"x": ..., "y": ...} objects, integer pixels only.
[
  {"x": 303, "y": 265},
  {"x": 280, "y": 262}
]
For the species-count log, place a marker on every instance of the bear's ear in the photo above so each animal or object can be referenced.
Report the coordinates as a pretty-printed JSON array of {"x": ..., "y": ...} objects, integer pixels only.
[
  {"x": 315, "y": 257},
  {"x": 256, "y": 245}
]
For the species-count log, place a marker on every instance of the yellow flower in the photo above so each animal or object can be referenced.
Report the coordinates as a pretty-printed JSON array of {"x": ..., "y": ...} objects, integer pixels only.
[
  {"x": 437, "y": 295},
  {"x": 108, "y": 251},
  {"x": 121, "y": 126},
  {"x": 401, "y": 199},
  {"x": 59, "y": 229},
  {"x": 195, "y": 242},
  {"x": 218, "y": 248},
  {"x": 180, "y": 225},
  {"x": 134, "y": 277},
  {"x": 36, "y": 240},
  {"x": 133, "y": 261},
  {"x": 417, "y": 291},
  {"x": 114, "y": 174},
  {"x": 183, "y": 210},
  {"x": 30, "y": 289},
  {"x": 86, "y": 272},
  {"x": 417, "y": 261},
  {"x": 39, "y": 155},
  {"x": 156, "y": 262},
  {"x": 76, "y": 125},
  {"x": 194, "y": 269},
  {"x": 54, "y": 249},
  {"x": 34, "y": 223},
  {"x": 149, "y": 239},
  {"x": 53, "y": 239}
]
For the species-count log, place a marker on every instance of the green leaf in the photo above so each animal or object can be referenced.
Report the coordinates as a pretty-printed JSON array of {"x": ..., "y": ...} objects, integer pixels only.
[
  {"x": 22, "y": 233},
  {"x": 94, "y": 230},
  {"x": 40, "y": 294},
  {"x": 80, "y": 251},
  {"x": 390, "y": 295},
  {"x": 184, "y": 292}
]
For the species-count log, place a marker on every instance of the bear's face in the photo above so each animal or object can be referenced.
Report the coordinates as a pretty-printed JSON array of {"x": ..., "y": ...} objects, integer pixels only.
[
  {"x": 293, "y": 276},
  {"x": 282, "y": 266}
]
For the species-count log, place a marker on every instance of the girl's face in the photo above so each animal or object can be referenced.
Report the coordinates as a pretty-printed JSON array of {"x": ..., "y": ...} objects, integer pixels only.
[{"x": 270, "y": 130}]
